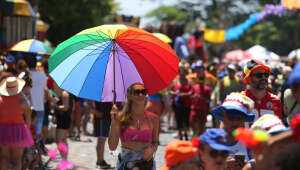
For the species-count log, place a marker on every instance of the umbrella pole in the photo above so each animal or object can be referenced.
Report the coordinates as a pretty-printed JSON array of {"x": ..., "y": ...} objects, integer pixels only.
[{"x": 114, "y": 70}]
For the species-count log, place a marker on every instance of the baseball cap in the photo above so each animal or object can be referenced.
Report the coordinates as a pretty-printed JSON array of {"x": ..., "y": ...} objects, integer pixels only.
[
  {"x": 251, "y": 66},
  {"x": 215, "y": 138},
  {"x": 177, "y": 152},
  {"x": 271, "y": 123},
  {"x": 10, "y": 59},
  {"x": 236, "y": 104},
  {"x": 197, "y": 65}
]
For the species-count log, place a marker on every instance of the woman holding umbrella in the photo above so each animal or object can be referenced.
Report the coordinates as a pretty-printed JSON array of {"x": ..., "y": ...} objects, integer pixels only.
[{"x": 138, "y": 130}]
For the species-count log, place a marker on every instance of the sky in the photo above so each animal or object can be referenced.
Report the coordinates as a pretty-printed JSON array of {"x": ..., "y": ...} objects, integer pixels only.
[{"x": 140, "y": 8}]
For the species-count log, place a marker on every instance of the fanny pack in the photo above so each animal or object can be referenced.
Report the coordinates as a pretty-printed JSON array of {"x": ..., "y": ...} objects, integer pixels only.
[{"x": 140, "y": 164}]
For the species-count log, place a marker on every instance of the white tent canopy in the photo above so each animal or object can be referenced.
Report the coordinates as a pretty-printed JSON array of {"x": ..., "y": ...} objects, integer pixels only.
[{"x": 262, "y": 54}]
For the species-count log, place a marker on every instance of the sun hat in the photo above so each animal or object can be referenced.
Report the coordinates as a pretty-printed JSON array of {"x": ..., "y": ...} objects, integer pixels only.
[
  {"x": 10, "y": 59},
  {"x": 177, "y": 152},
  {"x": 236, "y": 104},
  {"x": 251, "y": 66},
  {"x": 271, "y": 123},
  {"x": 215, "y": 138},
  {"x": 11, "y": 86},
  {"x": 294, "y": 77}
]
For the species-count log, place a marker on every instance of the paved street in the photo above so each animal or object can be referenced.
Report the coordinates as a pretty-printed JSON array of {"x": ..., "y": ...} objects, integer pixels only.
[{"x": 83, "y": 153}]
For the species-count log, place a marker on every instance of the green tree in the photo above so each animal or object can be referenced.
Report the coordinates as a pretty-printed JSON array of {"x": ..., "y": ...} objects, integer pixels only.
[
  {"x": 168, "y": 13},
  {"x": 280, "y": 34},
  {"x": 68, "y": 17}
]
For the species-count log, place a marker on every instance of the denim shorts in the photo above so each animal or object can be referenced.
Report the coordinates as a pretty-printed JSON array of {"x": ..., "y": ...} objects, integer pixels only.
[{"x": 38, "y": 124}]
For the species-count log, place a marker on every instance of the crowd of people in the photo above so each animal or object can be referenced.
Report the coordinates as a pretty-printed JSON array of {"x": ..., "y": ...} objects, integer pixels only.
[{"x": 253, "y": 95}]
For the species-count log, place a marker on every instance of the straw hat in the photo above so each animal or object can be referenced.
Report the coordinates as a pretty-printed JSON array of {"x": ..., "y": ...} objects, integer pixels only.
[{"x": 11, "y": 86}]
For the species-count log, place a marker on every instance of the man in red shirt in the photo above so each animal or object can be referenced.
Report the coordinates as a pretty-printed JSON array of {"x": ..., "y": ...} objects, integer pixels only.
[{"x": 256, "y": 77}]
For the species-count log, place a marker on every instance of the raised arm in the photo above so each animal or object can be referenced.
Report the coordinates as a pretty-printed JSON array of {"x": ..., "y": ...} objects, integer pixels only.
[{"x": 115, "y": 129}]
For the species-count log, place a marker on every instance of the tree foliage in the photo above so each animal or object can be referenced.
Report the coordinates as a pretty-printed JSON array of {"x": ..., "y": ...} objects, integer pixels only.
[
  {"x": 280, "y": 34},
  {"x": 168, "y": 13},
  {"x": 68, "y": 17}
]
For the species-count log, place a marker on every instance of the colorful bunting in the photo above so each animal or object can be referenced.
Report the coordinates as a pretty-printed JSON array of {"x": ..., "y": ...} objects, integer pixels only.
[
  {"x": 219, "y": 36},
  {"x": 291, "y": 4},
  {"x": 215, "y": 36}
]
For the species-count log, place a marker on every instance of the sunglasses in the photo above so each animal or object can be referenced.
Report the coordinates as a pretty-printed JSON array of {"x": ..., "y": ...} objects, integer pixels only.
[
  {"x": 215, "y": 153},
  {"x": 139, "y": 91},
  {"x": 260, "y": 75}
]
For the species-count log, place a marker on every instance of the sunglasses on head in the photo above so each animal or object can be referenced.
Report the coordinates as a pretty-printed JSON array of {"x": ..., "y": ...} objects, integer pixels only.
[
  {"x": 260, "y": 75},
  {"x": 215, "y": 153},
  {"x": 139, "y": 91}
]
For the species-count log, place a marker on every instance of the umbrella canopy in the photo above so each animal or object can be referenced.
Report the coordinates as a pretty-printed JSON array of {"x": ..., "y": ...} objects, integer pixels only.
[
  {"x": 100, "y": 63},
  {"x": 262, "y": 54},
  {"x": 16, "y": 7},
  {"x": 163, "y": 37},
  {"x": 237, "y": 55},
  {"x": 32, "y": 46}
]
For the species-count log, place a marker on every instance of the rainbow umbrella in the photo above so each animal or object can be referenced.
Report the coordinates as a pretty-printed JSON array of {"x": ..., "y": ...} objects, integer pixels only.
[
  {"x": 32, "y": 46},
  {"x": 163, "y": 37},
  {"x": 100, "y": 63},
  {"x": 16, "y": 7}
]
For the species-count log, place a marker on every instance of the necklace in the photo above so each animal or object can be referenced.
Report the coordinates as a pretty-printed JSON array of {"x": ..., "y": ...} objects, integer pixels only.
[{"x": 138, "y": 126}]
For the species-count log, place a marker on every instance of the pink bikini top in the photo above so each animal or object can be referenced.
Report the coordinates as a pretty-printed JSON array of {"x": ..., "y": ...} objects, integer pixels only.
[{"x": 134, "y": 135}]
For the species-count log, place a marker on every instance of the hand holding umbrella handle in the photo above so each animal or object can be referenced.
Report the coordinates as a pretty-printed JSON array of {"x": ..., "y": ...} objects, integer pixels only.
[{"x": 114, "y": 113}]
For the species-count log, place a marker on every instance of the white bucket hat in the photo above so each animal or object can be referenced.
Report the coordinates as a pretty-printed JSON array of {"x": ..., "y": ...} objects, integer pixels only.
[
  {"x": 271, "y": 123},
  {"x": 11, "y": 86}
]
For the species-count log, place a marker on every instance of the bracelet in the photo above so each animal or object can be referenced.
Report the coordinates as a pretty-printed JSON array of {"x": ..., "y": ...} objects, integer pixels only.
[{"x": 154, "y": 145}]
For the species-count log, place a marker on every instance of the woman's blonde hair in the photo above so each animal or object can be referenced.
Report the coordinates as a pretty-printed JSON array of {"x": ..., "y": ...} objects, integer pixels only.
[{"x": 127, "y": 109}]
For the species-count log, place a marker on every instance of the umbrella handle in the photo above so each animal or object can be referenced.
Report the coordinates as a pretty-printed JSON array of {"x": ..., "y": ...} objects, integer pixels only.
[{"x": 114, "y": 71}]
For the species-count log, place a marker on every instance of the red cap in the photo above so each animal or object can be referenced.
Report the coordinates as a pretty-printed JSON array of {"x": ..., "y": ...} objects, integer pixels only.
[{"x": 177, "y": 152}]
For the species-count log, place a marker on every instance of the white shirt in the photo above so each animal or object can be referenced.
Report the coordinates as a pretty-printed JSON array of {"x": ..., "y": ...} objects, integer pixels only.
[
  {"x": 39, "y": 82},
  {"x": 239, "y": 149}
]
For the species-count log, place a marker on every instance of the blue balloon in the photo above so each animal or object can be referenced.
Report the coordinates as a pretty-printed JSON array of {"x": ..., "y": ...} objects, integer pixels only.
[{"x": 235, "y": 32}]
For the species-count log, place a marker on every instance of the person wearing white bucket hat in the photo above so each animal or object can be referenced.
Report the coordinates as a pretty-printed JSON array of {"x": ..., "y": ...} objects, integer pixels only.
[
  {"x": 14, "y": 131},
  {"x": 271, "y": 123},
  {"x": 234, "y": 112}
]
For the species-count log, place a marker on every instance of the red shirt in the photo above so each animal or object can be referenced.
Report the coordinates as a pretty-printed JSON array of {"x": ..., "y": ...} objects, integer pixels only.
[
  {"x": 269, "y": 104},
  {"x": 183, "y": 89},
  {"x": 200, "y": 103},
  {"x": 199, "y": 50},
  {"x": 11, "y": 111}
]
